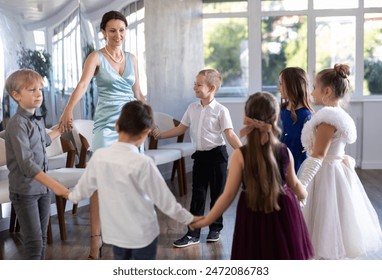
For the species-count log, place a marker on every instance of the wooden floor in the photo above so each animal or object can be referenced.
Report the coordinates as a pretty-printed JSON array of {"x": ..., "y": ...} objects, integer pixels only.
[{"x": 78, "y": 231}]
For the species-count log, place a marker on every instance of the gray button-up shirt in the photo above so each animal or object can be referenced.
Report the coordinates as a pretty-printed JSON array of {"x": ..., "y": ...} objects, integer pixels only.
[{"x": 25, "y": 143}]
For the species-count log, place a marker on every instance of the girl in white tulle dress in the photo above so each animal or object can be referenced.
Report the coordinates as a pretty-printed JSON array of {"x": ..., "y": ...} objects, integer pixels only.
[{"x": 339, "y": 216}]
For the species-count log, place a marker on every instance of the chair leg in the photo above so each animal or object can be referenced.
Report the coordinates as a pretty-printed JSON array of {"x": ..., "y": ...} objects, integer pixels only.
[
  {"x": 50, "y": 235},
  {"x": 14, "y": 225},
  {"x": 60, "y": 203},
  {"x": 173, "y": 171},
  {"x": 74, "y": 209},
  {"x": 180, "y": 177},
  {"x": 183, "y": 166},
  {"x": 12, "y": 221}
]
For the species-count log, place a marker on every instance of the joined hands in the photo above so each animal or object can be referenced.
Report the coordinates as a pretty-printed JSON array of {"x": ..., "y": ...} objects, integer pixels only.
[{"x": 198, "y": 222}]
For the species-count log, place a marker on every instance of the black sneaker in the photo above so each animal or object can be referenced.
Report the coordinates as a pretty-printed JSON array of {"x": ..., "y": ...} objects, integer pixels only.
[
  {"x": 213, "y": 236},
  {"x": 186, "y": 241}
]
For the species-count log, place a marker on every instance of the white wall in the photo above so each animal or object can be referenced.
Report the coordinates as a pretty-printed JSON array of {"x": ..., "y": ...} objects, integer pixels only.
[
  {"x": 174, "y": 53},
  {"x": 371, "y": 152}
]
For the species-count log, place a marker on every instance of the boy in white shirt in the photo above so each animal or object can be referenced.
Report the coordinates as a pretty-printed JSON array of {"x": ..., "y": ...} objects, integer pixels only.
[
  {"x": 208, "y": 120},
  {"x": 129, "y": 186}
]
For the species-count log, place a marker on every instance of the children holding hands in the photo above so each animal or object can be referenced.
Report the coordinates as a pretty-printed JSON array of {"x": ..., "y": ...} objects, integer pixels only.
[
  {"x": 209, "y": 122},
  {"x": 129, "y": 186},
  {"x": 269, "y": 223}
]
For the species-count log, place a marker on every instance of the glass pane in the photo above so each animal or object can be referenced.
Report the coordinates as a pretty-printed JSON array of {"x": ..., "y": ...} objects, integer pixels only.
[
  {"x": 373, "y": 54},
  {"x": 132, "y": 16},
  {"x": 372, "y": 3},
  {"x": 284, "y": 44},
  {"x": 39, "y": 37},
  {"x": 226, "y": 49},
  {"x": 335, "y": 43},
  {"x": 330, "y": 4},
  {"x": 225, "y": 7},
  {"x": 284, "y": 5},
  {"x": 2, "y": 75},
  {"x": 140, "y": 10}
]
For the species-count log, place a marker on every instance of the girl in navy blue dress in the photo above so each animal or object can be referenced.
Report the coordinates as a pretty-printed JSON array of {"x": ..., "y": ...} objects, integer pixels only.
[
  {"x": 295, "y": 110},
  {"x": 269, "y": 223}
]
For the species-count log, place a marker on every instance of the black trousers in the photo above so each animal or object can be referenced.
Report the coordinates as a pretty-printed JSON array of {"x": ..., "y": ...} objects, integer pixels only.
[{"x": 209, "y": 169}]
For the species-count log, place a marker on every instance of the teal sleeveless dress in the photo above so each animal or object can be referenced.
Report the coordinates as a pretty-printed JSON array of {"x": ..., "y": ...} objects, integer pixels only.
[{"x": 114, "y": 91}]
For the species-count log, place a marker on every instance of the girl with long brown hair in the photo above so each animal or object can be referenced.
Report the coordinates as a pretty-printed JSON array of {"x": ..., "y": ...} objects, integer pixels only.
[{"x": 269, "y": 223}]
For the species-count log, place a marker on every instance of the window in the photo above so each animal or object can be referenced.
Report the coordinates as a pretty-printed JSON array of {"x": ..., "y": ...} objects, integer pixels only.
[
  {"x": 328, "y": 4},
  {"x": 225, "y": 39},
  {"x": 135, "y": 38},
  {"x": 311, "y": 34},
  {"x": 283, "y": 5},
  {"x": 373, "y": 54},
  {"x": 283, "y": 44},
  {"x": 335, "y": 42},
  {"x": 2, "y": 81},
  {"x": 39, "y": 39},
  {"x": 66, "y": 53}
]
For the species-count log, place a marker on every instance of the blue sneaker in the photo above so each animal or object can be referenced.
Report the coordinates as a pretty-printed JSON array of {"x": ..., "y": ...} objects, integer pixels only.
[
  {"x": 213, "y": 236},
  {"x": 186, "y": 241}
]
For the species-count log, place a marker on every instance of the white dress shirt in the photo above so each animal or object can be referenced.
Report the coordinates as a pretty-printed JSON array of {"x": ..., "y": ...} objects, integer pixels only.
[
  {"x": 207, "y": 124},
  {"x": 129, "y": 186}
]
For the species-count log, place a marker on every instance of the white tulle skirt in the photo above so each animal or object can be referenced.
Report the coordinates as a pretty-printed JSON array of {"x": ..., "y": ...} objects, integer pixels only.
[{"x": 338, "y": 213}]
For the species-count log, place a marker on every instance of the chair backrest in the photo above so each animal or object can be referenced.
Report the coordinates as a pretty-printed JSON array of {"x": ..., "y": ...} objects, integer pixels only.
[
  {"x": 3, "y": 160},
  {"x": 55, "y": 148},
  {"x": 83, "y": 152},
  {"x": 85, "y": 127},
  {"x": 164, "y": 122}
]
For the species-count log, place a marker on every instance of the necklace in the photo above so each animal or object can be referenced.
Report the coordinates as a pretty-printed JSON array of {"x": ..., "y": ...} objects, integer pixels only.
[{"x": 112, "y": 58}]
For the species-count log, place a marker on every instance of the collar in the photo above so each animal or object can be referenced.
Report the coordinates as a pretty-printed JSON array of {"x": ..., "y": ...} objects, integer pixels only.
[
  {"x": 22, "y": 112},
  {"x": 125, "y": 145},
  {"x": 212, "y": 104}
]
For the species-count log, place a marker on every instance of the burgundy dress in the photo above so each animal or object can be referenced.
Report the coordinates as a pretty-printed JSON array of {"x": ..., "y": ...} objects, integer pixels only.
[{"x": 280, "y": 235}]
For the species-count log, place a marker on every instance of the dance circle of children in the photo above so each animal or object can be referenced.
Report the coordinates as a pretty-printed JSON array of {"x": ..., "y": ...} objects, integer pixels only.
[{"x": 299, "y": 195}]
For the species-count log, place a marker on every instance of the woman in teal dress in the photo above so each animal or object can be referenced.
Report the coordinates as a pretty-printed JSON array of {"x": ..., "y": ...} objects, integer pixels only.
[{"x": 116, "y": 74}]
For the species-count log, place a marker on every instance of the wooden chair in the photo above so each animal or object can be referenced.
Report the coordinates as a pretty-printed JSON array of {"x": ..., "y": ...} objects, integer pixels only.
[
  {"x": 68, "y": 176},
  {"x": 166, "y": 122},
  {"x": 168, "y": 156}
]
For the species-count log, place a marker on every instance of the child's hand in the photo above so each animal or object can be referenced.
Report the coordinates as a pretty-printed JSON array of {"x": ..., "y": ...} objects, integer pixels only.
[
  {"x": 62, "y": 191},
  {"x": 303, "y": 200},
  {"x": 156, "y": 133},
  {"x": 198, "y": 222}
]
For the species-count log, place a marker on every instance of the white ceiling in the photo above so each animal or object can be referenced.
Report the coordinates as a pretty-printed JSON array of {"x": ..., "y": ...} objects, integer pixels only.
[{"x": 36, "y": 11}]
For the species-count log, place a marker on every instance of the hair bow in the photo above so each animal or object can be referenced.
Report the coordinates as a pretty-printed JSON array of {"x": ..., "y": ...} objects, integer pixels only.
[{"x": 251, "y": 124}]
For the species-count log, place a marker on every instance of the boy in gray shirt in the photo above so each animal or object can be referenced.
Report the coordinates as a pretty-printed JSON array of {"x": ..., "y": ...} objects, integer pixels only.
[{"x": 25, "y": 143}]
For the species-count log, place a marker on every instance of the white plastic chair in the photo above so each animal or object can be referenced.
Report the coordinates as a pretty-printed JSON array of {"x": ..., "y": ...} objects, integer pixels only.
[
  {"x": 166, "y": 122},
  {"x": 67, "y": 176},
  {"x": 168, "y": 156},
  {"x": 4, "y": 185}
]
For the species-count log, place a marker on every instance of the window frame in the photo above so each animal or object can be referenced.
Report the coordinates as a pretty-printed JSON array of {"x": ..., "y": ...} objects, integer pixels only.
[
  {"x": 254, "y": 15},
  {"x": 66, "y": 35}
]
